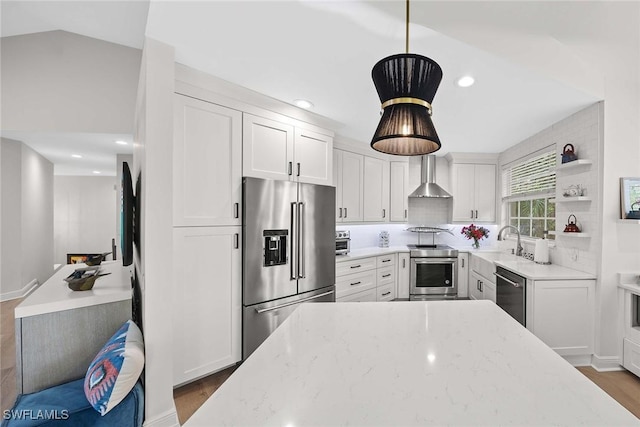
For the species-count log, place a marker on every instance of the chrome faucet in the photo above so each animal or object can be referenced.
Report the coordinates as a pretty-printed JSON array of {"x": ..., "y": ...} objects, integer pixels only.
[{"x": 519, "y": 247}]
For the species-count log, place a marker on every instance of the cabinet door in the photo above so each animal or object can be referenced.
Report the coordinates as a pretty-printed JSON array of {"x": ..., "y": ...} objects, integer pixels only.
[
  {"x": 463, "y": 184},
  {"x": 475, "y": 287},
  {"x": 489, "y": 290},
  {"x": 485, "y": 193},
  {"x": 207, "y": 301},
  {"x": 463, "y": 275},
  {"x": 370, "y": 295},
  {"x": 563, "y": 315},
  {"x": 352, "y": 186},
  {"x": 403, "y": 276},
  {"x": 267, "y": 148},
  {"x": 337, "y": 182},
  {"x": 313, "y": 157},
  {"x": 399, "y": 201},
  {"x": 207, "y": 163},
  {"x": 376, "y": 190}
]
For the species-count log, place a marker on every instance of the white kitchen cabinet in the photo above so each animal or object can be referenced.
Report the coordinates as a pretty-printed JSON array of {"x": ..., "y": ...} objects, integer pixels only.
[
  {"x": 275, "y": 150},
  {"x": 370, "y": 295},
  {"x": 348, "y": 178},
  {"x": 207, "y": 163},
  {"x": 474, "y": 192},
  {"x": 481, "y": 288},
  {"x": 367, "y": 279},
  {"x": 399, "y": 191},
  {"x": 353, "y": 283},
  {"x": 403, "y": 275},
  {"x": 561, "y": 314},
  {"x": 207, "y": 305},
  {"x": 463, "y": 275},
  {"x": 376, "y": 190}
]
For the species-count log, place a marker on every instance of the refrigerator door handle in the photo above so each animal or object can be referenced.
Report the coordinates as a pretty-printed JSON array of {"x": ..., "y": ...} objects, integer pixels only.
[
  {"x": 301, "y": 241},
  {"x": 278, "y": 307},
  {"x": 293, "y": 247}
]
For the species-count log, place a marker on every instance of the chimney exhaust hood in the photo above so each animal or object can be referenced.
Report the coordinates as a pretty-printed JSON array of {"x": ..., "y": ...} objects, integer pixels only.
[{"x": 429, "y": 188}]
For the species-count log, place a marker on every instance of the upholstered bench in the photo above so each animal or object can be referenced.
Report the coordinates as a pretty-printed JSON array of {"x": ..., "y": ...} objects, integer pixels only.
[{"x": 67, "y": 405}]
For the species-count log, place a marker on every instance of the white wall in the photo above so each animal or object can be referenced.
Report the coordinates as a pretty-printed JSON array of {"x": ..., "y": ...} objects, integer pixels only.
[
  {"x": 59, "y": 81},
  {"x": 27, "y": 219},
  {"x": 83, "y": 214}
]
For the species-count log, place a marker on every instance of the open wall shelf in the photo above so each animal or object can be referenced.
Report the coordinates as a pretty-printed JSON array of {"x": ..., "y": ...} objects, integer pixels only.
[
  {"x": 573, "y": 165},
  {"x": 579, "y": 235},
  {"x": 572, "y": 199},
  {"x": 629, "y": 221}
]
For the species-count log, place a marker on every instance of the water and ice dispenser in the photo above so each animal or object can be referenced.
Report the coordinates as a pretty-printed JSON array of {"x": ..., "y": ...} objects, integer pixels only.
[{"x": 275, "y": 247}]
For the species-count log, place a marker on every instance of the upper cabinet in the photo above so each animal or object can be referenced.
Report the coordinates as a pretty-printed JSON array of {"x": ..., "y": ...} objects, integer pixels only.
[
  {"x": 207, "y": 165},
  {"x": 348, "y": 178},
  {"x": 474, "y": 190},
  {"x": 399, "y": 198},
  {"x": 376, "y": 190},
  {"x": 276, "y": 150}
]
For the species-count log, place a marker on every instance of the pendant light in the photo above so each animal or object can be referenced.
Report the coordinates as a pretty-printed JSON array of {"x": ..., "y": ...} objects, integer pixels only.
[{"x": 406, "y": 84}]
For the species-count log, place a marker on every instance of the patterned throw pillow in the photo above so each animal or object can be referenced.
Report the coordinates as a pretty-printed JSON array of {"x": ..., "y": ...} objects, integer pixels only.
[{"x": 115, "y": 369}]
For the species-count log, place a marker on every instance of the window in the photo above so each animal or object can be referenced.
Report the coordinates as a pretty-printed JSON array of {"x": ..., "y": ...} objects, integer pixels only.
[{"x": 528, "y": 190}]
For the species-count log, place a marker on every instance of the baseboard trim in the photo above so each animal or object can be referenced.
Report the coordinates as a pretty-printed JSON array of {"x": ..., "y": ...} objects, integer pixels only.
[
  {"x": 168, "y": 419},
  {"x": 606, "y": 363},
  {"x": 579, "y": 360},
  {"x": 20, "y": 293}
]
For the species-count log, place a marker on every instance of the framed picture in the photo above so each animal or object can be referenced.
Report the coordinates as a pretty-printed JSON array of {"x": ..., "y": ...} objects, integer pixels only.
[
  {"x": 630, "y": 198},
  {"x": 79, "y": 258}
]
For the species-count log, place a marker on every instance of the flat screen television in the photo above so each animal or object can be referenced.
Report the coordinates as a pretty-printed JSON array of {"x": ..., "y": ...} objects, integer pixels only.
[{"x": 127, "y": 214}]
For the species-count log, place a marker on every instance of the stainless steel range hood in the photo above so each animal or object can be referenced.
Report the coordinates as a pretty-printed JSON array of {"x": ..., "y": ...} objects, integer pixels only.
[{"x": 429, "y": 188}]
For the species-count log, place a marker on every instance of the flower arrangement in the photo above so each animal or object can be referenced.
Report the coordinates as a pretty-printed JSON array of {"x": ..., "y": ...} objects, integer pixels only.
[{"x": 476, "y": 233}]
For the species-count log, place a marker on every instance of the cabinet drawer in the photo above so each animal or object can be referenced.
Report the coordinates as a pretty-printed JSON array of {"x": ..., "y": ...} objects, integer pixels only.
[
  {"x": 355, "y": 266},
  {"x": 353, "y": 283},
  {"x": 631, "y": 356},
  {"x": 365, "y": 296},
  {"x": 386, "y": 275},
  {"x": 386, "y": 292},
  {"x": 386, "y": 260}
]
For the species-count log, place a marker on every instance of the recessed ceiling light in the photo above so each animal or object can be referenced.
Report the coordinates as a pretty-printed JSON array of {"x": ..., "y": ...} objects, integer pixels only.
[
  {"x": 465, "y": 81},
  {"x": 76, "y": 156},
  {"x": 303, "y": 103},
  {"x": 121, "y": 142},
  {"x": 97, "y": 172}
]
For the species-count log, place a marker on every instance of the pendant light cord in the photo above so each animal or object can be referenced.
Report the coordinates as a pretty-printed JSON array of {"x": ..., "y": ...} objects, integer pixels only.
[{"x": 407, "y": 29}]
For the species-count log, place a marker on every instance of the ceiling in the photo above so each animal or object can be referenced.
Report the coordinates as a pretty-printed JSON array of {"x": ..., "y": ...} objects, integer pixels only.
[{"x": 323, "y": 51}]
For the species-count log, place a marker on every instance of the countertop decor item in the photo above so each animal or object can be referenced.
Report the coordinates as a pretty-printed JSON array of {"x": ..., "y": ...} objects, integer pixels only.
[
  {"x": 406, "y": 84},
  {"x": 476, "y": 233},
  {"x": 569, "y": 154},
  {"x": 384, "y": 239},
  {"x": 573, "y": 191},
  {"x": 83, "y": 279}
]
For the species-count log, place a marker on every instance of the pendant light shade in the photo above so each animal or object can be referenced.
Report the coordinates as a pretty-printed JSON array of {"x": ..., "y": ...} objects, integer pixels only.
[{"x": 406, "y": 84}]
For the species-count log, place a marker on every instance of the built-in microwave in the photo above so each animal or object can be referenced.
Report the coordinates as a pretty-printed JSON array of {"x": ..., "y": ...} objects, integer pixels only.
[{"x": 343, "y": 242}]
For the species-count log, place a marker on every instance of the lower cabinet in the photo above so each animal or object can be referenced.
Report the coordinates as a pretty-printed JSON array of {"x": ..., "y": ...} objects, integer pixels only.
[
  {"x": 463, "y": 275},
  {"x": 207, "y": 301},
  {"x": 560, "y": 313},
  {"x": 481, "y": 288},
  {"x": 366, "y": 279},
  {"x": 402, "y": 289}
]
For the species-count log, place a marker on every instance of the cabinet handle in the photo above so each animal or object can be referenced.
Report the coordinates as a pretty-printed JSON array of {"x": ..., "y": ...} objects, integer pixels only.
[
  {"x": 404, "y": 263},
  {"x": 290, "y": 170},
  {"x": 236, "y": 240},
  {"x": 355, "y": 283},
  {"x": 356, "y": 266},
  {"x": 386, "y": 275},
  {"x": 471, "y": 213},
  {"x": 476, "y": 214},
  {"x": 340, "y": 214},
  {"x": 384, "y": 213},
  {"x": 481, "y": 286},
  {"x": 462, "y": 262},
  {"x": 236, "y": 210},
  {"x": 345, "y": 212},
  {"x": 298, "y": 174},
  {"x": 386, "y": 260},
  {"x": 405, "y": 213},
  {"x": 386, "y": 293}
]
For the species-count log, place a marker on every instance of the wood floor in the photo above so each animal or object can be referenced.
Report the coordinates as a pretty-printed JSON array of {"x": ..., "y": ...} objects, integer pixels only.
[{"x": 623, "y": 386}]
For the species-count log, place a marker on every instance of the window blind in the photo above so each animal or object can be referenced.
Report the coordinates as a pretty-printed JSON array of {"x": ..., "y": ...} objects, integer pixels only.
[{"x": 534, "y": 176}]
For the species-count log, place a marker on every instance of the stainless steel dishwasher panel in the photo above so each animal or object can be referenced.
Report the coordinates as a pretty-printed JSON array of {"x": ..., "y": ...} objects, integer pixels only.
[{"x": 511, "y": 294}]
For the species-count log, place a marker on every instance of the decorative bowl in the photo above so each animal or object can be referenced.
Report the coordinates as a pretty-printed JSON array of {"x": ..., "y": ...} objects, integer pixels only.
[{"x": 82, "y": 279}]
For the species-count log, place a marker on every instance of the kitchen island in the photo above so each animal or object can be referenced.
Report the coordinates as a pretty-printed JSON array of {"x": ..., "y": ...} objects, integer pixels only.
[{"x": 407, "y": 363}]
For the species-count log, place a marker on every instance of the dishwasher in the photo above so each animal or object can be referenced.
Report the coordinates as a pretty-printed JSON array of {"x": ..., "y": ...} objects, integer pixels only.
[{"x": 511, "y": 294}]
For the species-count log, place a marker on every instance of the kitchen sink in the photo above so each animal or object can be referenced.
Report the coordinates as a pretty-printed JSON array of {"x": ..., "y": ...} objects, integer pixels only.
[{"x": 483, "y": 262}]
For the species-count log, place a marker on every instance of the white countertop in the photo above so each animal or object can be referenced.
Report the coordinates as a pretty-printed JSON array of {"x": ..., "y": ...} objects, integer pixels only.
[
  {"x": 406, "y": 363},
  {"x": 630, "y": 282},
  {"x": 532, "y": 270},
  {"x": 54, "y": 294},
  {"x": 369, "y": 252}
]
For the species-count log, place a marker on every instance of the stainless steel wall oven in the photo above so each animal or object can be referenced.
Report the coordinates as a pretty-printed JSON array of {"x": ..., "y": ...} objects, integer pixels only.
[{"x": 433, "y": 272}]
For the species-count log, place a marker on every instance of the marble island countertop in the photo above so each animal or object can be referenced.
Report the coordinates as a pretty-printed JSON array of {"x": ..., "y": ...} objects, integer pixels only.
[{"x": 403, "y": 364}]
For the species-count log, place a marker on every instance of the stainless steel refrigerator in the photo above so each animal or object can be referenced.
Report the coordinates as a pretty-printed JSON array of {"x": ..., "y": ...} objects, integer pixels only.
[{"x": 288, "y": 253}]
